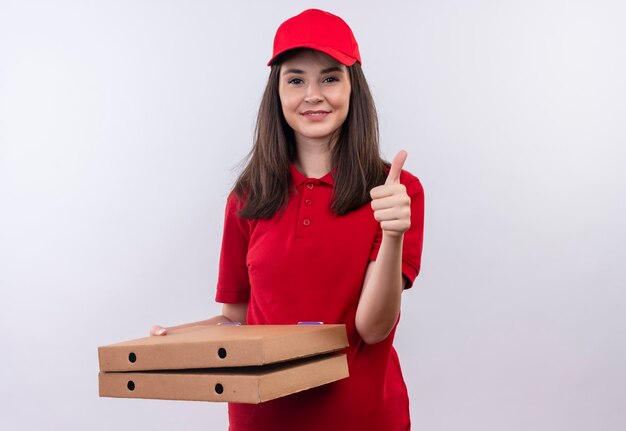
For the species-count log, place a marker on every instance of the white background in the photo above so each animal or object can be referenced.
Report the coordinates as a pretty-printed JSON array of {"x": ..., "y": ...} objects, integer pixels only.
[{"x": 122, "y": 124}]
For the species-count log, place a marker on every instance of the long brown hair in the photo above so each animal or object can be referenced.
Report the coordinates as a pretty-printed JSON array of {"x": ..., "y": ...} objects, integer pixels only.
[{"x": 264, "y": 184}]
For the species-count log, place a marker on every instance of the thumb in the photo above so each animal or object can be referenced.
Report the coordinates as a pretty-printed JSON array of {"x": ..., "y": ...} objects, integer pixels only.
[{"x": 396, "y": 167}]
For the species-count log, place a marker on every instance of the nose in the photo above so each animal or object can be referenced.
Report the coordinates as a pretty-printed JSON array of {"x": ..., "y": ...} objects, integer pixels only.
[{"x": 313, "y": 93}]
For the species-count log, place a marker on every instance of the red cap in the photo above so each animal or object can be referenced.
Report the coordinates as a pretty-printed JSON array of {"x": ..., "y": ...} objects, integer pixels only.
[{"x": 319, "y": 30}]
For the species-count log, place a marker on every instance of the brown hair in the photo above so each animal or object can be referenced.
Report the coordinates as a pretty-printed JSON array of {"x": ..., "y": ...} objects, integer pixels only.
[{"x": 264, "y": 184}]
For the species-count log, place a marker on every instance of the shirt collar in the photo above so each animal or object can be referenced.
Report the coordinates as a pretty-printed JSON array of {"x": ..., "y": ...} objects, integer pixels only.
[{"x": 299, "y": 178}]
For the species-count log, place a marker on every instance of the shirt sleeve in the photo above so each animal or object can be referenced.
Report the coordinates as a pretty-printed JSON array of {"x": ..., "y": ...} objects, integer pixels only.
[
  {"x": 413, "y": 238},
  {"x": 233, "y": 285}
]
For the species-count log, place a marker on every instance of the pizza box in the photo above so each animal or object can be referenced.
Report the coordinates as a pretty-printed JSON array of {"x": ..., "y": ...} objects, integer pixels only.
[
  {"x": 224, "y": 363},
  {"x": 218, "y": 346},
  {"x": 250, "y": 385}
]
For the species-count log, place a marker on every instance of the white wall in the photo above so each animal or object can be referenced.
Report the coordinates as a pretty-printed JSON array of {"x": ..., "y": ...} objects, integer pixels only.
[{"x": 121, "y": 127}]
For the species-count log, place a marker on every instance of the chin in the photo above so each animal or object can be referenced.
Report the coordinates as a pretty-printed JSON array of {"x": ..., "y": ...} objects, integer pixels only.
[
  {"x": 324, "y": 136},
  {"x": 317, "y": 134}
]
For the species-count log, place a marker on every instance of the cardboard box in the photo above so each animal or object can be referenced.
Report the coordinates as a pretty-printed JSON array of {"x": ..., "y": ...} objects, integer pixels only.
[
  {"x": 247, "y": 385},
  {"x": 247, "y": 364},
  {"x": 222, "y": 346}
]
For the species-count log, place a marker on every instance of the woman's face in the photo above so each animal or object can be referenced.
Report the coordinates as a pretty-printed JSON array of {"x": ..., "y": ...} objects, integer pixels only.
[{"x": 314, "y": 91}]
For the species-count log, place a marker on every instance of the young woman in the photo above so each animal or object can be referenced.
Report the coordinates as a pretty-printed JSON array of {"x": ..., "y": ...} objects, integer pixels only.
[{"x": 319, "y": 228}]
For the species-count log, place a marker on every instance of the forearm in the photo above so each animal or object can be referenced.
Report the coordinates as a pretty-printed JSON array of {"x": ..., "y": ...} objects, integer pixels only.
[{"x": 379, "y": 305}]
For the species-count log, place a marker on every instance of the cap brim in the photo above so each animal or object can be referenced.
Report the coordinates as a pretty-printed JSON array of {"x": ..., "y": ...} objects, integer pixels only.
[{"x": 339, "y": 56}]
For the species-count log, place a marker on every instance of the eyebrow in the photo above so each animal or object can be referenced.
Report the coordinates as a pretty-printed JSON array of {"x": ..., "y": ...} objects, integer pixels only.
[{"x": 301, "y": 72}]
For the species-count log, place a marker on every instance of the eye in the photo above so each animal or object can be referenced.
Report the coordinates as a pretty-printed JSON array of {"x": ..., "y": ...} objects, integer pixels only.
[
  {"x": 331, "y": 79},
  {"x": 295, "y": 81}
]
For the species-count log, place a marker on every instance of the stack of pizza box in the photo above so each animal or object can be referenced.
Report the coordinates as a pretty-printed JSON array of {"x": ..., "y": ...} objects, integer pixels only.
[{"x": 233, "y": 363}]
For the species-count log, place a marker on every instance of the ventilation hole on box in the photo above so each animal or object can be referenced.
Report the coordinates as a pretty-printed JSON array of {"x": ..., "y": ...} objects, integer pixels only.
[
  {"x": 221, "y": 352},
  {"x": 132, "y": 357},
  {"x": 131, "y": 385},
  {"x": 219, "y": 388}
]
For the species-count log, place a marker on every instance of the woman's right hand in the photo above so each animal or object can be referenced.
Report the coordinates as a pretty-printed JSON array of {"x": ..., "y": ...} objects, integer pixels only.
[{"x": 158, "y": 330}]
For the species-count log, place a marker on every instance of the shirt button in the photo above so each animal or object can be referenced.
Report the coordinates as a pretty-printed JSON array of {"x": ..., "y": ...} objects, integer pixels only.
[
  {"x": 309, "y": 186},
  {"x": 306, "y": 222},
  {"x": 308, "y": 202}
]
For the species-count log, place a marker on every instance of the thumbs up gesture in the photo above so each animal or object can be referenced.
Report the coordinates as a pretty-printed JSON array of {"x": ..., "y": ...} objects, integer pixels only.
[{"x": 391, "y": 203}]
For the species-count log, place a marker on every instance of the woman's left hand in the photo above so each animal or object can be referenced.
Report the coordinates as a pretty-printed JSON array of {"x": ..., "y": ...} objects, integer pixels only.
[{"x": 391, "y": 203}]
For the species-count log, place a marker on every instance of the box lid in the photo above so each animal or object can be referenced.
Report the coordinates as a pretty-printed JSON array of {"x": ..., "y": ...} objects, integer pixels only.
[{"x": 222, "y": 346}]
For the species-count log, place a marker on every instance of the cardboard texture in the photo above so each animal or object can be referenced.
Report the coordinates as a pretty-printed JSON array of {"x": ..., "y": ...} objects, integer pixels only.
[
  {"x": 222, "y": 346},
  {"x": 251, "y": 385},
  {"x": 245, "y": 364}
]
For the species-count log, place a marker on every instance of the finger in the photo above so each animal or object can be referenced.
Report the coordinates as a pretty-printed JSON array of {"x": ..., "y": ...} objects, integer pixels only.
[
  {"x": 390, "y": 214},
  {"x": 397, "y": 226},
  {"x": 158, "y": 330},
  {"x": 387, "y": 190},
  {"x": 390, "y": 202},
  {"x": 396, "y": 167}
]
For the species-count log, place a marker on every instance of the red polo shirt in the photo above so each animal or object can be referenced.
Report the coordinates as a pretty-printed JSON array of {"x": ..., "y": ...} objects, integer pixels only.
[{"x": 308, "y": 264}]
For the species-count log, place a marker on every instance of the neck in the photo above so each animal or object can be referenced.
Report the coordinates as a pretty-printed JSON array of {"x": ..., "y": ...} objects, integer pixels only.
[{"x": 313, "y": 157}]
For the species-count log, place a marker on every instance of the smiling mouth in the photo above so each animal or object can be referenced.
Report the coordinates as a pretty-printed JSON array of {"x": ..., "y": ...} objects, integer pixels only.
[{"x": 315, "y": 113}]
